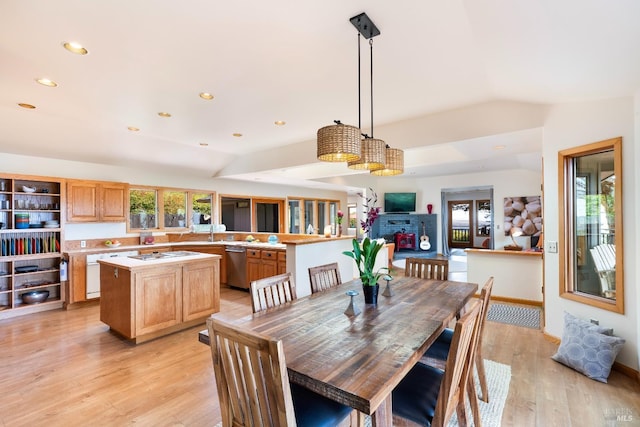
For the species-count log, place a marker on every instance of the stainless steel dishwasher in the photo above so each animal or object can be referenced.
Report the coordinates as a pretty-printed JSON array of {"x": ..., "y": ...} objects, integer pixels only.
[{"x": 237, "y": 266}]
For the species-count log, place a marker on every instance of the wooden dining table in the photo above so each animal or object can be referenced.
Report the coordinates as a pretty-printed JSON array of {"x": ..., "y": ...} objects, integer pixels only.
[{"x": 358, "y": 360}]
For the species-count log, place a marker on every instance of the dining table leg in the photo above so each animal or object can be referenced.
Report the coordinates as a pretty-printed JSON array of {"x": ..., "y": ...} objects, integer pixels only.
[{"x": 383, "y": 417}]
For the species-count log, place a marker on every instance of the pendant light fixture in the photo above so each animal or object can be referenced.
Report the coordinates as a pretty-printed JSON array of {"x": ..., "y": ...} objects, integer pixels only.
[
  {"x": 373, "y": 150},
  {"x": 340, "y": 142},
  {"x": 394, "y": 164}
]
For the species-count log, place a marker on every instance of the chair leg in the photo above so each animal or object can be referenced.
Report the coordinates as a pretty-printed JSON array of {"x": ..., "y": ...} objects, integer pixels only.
[
  {"x": 473, "y": 401},
  {"x": 482, "y": 377}
]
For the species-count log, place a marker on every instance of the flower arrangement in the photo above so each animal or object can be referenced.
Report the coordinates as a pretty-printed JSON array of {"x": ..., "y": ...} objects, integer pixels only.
[
  {"x": 365, "y": 258},
  {"x": 371, "y": 210},
  {"x": 339, "y": 216}
]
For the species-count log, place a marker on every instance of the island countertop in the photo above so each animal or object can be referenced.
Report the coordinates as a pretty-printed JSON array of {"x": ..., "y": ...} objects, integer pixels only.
[{"x": 139, "y": 264}]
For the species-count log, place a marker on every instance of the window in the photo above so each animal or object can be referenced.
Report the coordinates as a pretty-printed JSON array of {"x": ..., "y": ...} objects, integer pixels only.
[
  {"x": 316, "y": 214},
  {"x": 235, "y": 213},
  {"x": 175, "y": 209},
  {"x": 268, "y": 215},
  {"x": 591, "y": 225},
  {"x": 143, "y": 208},
  {"x": 168, "y": 209},
  {"x": 483, "y": 218}
]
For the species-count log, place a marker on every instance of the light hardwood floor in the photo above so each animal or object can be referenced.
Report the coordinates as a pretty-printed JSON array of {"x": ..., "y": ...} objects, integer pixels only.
[{"x": 64, "y": 368}]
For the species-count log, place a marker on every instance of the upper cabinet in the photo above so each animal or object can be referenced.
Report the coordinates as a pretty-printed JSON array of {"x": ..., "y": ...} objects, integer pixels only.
[{"x": 93, "y": 201}]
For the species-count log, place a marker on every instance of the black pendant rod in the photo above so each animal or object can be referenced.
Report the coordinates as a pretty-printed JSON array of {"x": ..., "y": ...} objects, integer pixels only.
[
  {"x": 359, "y": 87},
  {"x": 371, "y": 78}
]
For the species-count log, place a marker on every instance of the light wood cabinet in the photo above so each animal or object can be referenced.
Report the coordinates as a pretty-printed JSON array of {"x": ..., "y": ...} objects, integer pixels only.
[
  {"x": 269, "y": 263},
  {"x": 30, "y": 243},
  {"x": 263, "y": 263},
  {"x": 282, "y": 262},
  {"x": 254, "y": 263},
  {"x": 143, "y": 303},
  {"x": 158, "y": 299},
  {"x": 94, "y": 201},
  {"x": 214, "y": 250}
]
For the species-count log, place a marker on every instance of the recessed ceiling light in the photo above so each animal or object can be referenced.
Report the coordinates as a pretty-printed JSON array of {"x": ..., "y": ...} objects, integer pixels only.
[
  {"x": 133, "y": 128},
  {"x": 204, "y": 144},
  {"x": 499, "y": 147},
  {"x": 47, "y": 82},
  {"x": 27, "y": 106},
  {"x": 75, "y": 47},
  {"x": 164, "y": 114},
  {"x": 237, "y": 135},
  {"x": 280, "y": 123},
  {"x": 206, "y": 95}
]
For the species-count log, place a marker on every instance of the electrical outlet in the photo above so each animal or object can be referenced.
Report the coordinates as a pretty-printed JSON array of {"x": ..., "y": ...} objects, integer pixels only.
[
  {"x": 552, "y": 247},
  {"x": 83, "y": 243},
  {"x": 595, "y": 321}
]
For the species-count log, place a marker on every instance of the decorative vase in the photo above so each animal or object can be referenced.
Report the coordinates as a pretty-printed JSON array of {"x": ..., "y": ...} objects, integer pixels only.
[
  {"x": 429, "y": 208},
  {"x": 339, "y": 230},
  {"x": 370, "y": 294}
]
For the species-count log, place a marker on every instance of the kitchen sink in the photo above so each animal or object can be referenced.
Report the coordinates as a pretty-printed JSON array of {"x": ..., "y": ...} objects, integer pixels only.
[{"x": 163, "y": 255}]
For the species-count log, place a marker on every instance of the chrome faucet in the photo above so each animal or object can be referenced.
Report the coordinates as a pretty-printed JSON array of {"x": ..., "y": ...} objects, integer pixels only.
[{"x": 211, "y": 231}]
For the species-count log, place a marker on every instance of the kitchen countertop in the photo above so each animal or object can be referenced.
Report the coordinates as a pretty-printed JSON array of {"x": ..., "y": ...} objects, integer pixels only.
[
  {"x": 257, "y": 245},
  {"x": 137, "y": 264}
]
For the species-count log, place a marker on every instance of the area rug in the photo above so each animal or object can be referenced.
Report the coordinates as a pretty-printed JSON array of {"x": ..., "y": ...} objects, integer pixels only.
[
  {"x": 515, "y": 315},
  {"x": 498, "y": 380}
]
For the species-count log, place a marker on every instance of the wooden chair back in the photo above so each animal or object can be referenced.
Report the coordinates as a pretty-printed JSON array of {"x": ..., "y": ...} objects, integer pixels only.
[
  {"x": 427, "y": 268},
  {"x": 324, "y": 277},
  {"x": 272, "y": 291},
  {"x": 251, "y": 377},
  {"x": 485, "y": 297},
  {"x": 458, "y": 368}
]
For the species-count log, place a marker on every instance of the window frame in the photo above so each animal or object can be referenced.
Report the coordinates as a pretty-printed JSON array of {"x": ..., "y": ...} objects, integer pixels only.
[
  {"x": 567, "y": 250},
  {"x": 160, "y": 192}
]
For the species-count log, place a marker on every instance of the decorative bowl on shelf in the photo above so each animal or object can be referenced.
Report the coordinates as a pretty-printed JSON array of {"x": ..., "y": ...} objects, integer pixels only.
[
  {"x": 34, "y": 297},
  {"x": 28, "y": 189},
  {"x": 112, "y": 244}
]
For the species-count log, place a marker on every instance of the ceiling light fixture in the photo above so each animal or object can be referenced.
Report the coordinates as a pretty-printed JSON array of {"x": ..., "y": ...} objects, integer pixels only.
[
  {"x": 27, "y": 106},
  {"x": 373, "y": 153},
  {"x": 337, "y": 143},
  {"x": 280, "y": 123},
  {"x": 206, "y": 95},
  {"x": 47, "y": 82},
  {"x": 237, "y": 135},
  {"x": 75, "y": 47},
  {"x": 204, "y": 144},
  {"x": 133, "y": 128},
  {"x": 164, "y": 114},
  {"x": 394, "y": 163}
]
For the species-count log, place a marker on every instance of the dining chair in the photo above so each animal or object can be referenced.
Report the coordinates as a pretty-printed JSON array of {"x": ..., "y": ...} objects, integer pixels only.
[
  {"x": 253, "y": 384},
  {"x": 427, "y": 395},
  {"x": 272, "y": 291},
  {"x": 427, "y": 268},
  {"x": 436, "y": 354},
  {"x": 324, "y": 277}
]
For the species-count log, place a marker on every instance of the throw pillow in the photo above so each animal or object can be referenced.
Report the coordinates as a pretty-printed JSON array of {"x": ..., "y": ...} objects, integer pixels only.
[{"x": 589, "y": 349}]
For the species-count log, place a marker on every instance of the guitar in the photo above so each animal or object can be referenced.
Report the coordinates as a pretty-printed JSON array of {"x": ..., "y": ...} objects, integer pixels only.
[{"x": 424, "y": 240}]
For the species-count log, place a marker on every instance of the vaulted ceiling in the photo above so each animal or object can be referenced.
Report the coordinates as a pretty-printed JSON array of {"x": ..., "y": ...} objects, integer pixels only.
[{"x": 452, "y": 80}]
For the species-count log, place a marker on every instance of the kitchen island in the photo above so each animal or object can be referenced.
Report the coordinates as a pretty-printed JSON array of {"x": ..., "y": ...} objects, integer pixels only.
[{"x": 148, "y": 296}]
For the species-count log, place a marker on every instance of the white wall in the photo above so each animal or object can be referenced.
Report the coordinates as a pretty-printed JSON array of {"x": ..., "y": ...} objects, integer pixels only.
[
  {"x": 505, "y": 184},
  {"x": 572, "y": 125}
]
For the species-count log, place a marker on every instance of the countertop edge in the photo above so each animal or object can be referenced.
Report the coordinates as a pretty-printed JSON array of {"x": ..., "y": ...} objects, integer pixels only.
[{"x": 504, "y": 252}]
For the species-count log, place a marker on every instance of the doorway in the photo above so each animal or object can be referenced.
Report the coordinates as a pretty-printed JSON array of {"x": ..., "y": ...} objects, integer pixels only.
[
  {"x": 460, "y": 224},
  {"x": 467, "y": 218}
]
